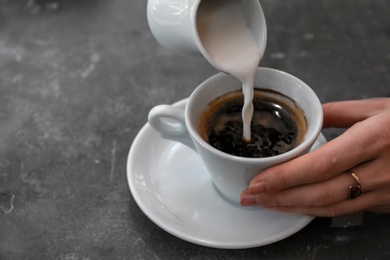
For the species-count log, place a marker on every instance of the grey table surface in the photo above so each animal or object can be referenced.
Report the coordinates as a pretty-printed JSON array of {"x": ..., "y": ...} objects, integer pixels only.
[{"x": 77, "y": 79}]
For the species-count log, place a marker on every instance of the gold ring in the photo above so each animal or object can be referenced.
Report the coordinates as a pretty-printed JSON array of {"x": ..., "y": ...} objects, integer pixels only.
[{"x": 355, "y": 190}]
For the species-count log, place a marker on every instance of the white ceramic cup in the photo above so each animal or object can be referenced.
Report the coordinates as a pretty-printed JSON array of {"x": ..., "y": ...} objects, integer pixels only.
[
  {"x": 232, "y": 174},
  {"x": 173, "y": 24}
]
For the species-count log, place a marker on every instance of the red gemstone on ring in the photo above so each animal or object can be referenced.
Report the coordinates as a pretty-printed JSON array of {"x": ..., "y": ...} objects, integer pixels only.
[{"x": 354, "y": 191}]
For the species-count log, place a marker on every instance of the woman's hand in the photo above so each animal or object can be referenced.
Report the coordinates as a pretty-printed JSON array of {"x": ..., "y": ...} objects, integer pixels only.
[{"x": 318, "y": 183}]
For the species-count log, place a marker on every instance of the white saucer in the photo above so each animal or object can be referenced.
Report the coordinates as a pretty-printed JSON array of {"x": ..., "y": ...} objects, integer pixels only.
[{"x": 172, "y": 187}]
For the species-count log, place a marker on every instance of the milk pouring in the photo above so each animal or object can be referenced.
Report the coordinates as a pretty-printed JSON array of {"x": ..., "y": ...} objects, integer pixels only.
[
  {"x": 230, "y": 34},
  {"x": 229, "y": 41}
]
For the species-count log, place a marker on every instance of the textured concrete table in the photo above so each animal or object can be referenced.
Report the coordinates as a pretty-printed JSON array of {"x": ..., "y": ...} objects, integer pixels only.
[{"x": 77, "y": 79}]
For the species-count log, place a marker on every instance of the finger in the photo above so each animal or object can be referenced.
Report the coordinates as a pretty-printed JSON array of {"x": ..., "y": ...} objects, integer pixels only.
[
  {"x": 346, "y": 113},
  {"x": 324, "y": 193},
  {"x": 373, "y": 201},
  {"x": 355, "y": 146},
  {"x": 342, "y": 208}
]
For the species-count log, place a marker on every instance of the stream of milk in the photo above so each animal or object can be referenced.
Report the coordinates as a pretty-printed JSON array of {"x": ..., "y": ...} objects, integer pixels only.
[{"x": 230, "y": 43}]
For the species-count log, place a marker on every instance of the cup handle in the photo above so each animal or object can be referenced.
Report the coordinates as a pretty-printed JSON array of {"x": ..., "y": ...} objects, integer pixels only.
[{"x": 169, "y": 121}]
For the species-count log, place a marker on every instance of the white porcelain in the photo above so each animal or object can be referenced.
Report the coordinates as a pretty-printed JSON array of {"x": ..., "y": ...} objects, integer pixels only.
[
  {"x": 232, "y": 174},
  {"x": 173, "y": 188},
  {"x": 173, "y": 24}
]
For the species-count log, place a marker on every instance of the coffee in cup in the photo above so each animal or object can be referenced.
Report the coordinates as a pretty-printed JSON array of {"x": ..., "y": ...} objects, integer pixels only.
[{"x": 278, "y": 124}]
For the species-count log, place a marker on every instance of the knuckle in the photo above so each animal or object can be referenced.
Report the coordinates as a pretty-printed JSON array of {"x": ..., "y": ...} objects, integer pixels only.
[
  {"x": 382, "y": 178},
  {"x": 378, "y": 131},
  {"x": 322, "y": 197},
  {"x": 328, "y": 107},
  {"x": 327, "y": 165},
  {"x": 271, "y": 200},
  {"x": 334, "y": 211}
]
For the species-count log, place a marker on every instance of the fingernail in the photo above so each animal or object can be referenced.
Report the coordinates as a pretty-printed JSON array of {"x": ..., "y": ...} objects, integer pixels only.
[
  {"x": 247, "y": 200},
  {"x": 257, "y": 187}
]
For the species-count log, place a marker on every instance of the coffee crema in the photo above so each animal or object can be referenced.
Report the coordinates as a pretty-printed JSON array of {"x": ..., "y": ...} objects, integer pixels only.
[{"x": 278, "y": 124}]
